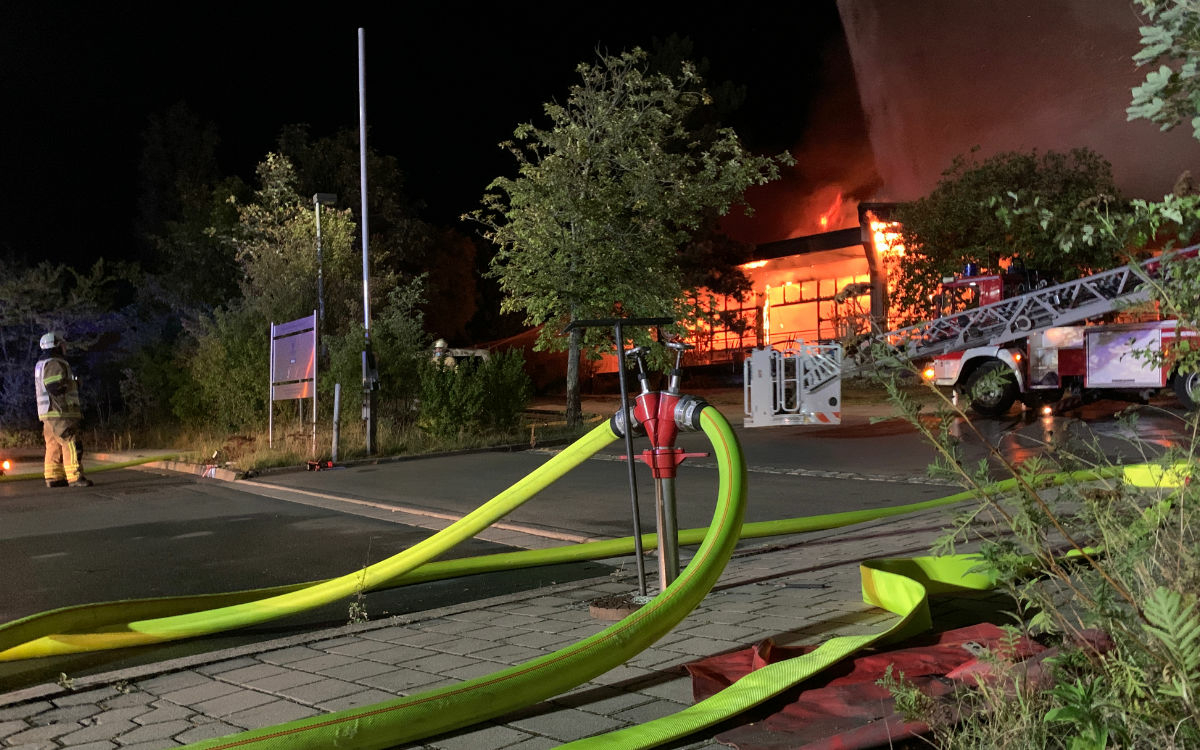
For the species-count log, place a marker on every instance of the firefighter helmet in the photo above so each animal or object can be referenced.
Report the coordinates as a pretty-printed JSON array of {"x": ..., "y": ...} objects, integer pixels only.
[
  {"x": 441, "y": 344},
  {"x": 50, "y": 340}
]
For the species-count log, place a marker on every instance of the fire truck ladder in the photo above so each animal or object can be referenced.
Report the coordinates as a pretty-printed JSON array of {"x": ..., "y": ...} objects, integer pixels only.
[{"x": 1014, "y": 318}]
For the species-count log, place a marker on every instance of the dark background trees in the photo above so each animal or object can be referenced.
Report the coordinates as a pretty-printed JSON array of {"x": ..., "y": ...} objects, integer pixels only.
[{"x": 219, "y": 256}]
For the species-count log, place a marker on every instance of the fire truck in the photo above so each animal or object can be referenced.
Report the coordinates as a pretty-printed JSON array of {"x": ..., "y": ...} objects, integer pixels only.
[
  {"x": 998, "y": 339},
  {"x": 1055, "y": 344}
]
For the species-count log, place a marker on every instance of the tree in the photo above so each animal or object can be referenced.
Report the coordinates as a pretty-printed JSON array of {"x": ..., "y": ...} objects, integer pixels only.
[
  {"x": 970, "y": 217},
  {"x": 605, "y": 197},
  {"x": 1170, "y": 94},
  {"x": 184, "y": 211},
  {"x": 332, "y": 165},
  {"x": 275, "y": 246}
]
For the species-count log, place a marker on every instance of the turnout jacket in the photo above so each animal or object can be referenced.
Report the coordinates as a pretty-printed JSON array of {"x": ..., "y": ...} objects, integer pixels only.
[{"x": 57, "y": 391}]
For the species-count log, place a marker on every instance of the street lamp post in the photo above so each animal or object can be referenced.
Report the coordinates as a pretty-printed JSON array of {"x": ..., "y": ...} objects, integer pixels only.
[
  {"x": 369, "y": 369},
  {"x": 321, "y": 199}
]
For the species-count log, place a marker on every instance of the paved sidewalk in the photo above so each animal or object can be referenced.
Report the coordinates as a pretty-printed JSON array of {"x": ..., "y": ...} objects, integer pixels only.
[{"x": 800, "y": 589}]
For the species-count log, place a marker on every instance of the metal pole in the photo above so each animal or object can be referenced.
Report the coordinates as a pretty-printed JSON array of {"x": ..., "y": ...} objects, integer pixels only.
[
  {"x": 633, "y": 493},
  {"x": 367, "y": 359},
  {"x": 316, "y": 367},
  {"x": 320, "y": 264},
  {"x": 362, "y": 172},
  {"x": 668, "y": 533},
  {"x": 668, "y": 524},
  {"x": 271, "y": 393},
  {"x": 337, "y": 419}
]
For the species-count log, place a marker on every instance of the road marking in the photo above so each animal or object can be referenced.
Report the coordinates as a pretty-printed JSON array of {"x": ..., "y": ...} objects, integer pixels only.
[{"x": 561, "y": 536}]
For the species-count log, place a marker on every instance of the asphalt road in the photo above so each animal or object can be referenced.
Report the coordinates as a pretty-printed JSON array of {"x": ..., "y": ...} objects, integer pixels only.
[{"x": 149, "y": 533}]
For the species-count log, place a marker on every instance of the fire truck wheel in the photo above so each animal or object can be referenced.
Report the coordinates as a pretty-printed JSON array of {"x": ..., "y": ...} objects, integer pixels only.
[
  {"x": 991, "y": 400},
  {"x": 1187, "y": 389}
]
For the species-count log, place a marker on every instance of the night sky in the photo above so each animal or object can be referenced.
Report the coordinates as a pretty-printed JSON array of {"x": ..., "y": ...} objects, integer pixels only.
[{"x": 444, "y": 87}]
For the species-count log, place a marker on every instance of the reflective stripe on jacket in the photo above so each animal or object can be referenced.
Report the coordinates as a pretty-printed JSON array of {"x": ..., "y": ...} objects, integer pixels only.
[{"x": 57, "y": 392}]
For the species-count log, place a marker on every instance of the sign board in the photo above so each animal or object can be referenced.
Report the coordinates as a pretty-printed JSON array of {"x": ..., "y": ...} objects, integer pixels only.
[{"x": 294, "y": 367}]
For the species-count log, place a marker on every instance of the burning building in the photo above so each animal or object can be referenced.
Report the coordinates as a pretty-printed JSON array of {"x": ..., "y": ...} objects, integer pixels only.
[{"x": 825, "y": 287}]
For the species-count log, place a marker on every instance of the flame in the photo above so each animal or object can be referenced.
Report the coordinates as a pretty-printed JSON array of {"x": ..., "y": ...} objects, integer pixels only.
[
  {"x": 886, "y": 237},
  {"x": 833, "y": 212},
  {"x": 754, "y": 264}
]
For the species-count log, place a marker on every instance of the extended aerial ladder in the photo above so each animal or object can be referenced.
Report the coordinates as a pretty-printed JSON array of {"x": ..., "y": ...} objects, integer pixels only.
[{"x": 1015, "y": 318}]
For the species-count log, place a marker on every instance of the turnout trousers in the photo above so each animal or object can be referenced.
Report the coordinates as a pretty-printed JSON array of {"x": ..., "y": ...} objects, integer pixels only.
[{"x": 63, "y": 450}]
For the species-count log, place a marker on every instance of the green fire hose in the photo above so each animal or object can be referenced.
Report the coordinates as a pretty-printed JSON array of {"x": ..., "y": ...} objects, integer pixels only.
[
  {"x": 107, "y": 625},
  {"x": 900, "y": 585}
]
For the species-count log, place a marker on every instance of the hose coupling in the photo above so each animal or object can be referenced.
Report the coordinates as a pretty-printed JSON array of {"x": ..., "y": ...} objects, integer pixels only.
[
  {"x": 687, "y": 412},
  {"x": 618, "y": 424}
]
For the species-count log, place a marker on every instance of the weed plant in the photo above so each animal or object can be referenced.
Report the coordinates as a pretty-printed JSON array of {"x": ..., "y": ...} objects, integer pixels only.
[{"x": 1103, "y": 572}]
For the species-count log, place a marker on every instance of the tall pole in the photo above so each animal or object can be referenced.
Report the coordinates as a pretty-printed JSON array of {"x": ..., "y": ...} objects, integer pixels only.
[
  {"x": 320, "y": 271},
  {"x": 370, "y": 374},
  {"x": 321, "y": 199},
  {"x": 638, "y": 555}
]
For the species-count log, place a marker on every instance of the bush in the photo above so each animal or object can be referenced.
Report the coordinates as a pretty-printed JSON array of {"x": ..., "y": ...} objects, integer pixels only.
[
  {"x": 224, "y": 368},
  {"x": 476, "y": 395}
]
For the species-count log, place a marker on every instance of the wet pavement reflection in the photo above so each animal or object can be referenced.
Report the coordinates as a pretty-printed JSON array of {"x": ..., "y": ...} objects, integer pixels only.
[{"x": 1103, "y": 431}]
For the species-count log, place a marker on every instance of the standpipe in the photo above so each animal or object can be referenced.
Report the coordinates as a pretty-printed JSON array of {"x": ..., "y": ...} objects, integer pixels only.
[{"x": 662, "y": 414}]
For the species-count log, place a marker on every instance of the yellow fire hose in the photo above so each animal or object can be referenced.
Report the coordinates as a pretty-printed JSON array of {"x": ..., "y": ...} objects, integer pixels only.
[
  {"x": 86, "y": 627},
  {"x": 91, "y": 469},
  {"x": 107, "y": 625},
  {"x": 900, "y": 585},
  {"x": 443, "y": 709}
]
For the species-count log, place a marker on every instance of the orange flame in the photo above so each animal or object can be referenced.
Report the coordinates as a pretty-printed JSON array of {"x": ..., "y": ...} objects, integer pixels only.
[
  {"x": 834, "y": 210},
  {"x": 886, "y": 237}
]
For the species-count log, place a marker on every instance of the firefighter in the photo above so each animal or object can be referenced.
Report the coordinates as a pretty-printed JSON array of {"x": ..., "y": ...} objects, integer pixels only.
[
  {"x": 442, "y": 356},
  {"x": 58, "y": 408}
]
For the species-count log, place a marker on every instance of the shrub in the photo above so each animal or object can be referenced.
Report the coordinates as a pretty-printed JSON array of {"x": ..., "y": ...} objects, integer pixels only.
[{"x": 476, "y": 395}]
